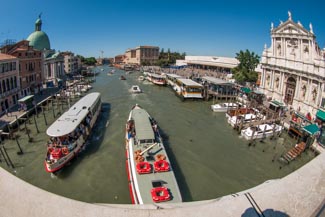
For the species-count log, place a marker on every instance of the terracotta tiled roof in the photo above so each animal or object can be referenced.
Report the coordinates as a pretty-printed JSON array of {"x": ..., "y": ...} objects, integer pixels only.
[{"x": 6, "y": 56}]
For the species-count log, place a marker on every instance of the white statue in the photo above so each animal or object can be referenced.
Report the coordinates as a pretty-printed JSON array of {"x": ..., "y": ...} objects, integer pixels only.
[
  {"x": 272, "y": 25},
  {"x": 289, "y": 15},
  {"x": 299, "y": 23},
  {"x": 311, "y": 28},
  {"x": 281, "y": 22}
]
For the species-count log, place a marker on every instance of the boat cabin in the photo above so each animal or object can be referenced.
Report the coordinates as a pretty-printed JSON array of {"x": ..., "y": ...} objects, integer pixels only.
[
  {"x": 189, "y": 89},
  {"x": 26, "y": 102}
]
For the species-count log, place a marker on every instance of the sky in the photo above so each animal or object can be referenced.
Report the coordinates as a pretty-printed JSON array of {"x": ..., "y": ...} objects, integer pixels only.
[{"x": 205, "y": 27}]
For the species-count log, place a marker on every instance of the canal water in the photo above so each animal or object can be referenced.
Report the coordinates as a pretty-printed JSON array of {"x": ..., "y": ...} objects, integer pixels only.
[{"x": 209, "y": 157}]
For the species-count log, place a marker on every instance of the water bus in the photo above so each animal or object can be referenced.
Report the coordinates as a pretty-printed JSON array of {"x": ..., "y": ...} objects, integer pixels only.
[
  {"x": 261, "y": 131},
  {"x": 69, "y": 132},
  {"x": 156, "y": 79},
  {"x": 150, "y": 173},
  {"x": 188, "y": 89},
  {"x": 171, "y": 80}
]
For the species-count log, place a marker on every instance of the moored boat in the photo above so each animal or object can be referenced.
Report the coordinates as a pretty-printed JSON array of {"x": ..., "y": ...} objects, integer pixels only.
[
  {"x": 223, "y": 107},
  {"x": 150, "y": 173},
  {"x": 237, "y": 120},
  {"x": 156, "y": 79},
  {"x": 69, "y": 132},
  {"x": 261, "y": 131}
]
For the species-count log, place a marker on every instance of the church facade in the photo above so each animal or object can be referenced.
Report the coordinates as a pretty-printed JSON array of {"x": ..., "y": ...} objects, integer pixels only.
[
  {"x": 293, "y": 67},
  {"x": 53, "y": 62}
]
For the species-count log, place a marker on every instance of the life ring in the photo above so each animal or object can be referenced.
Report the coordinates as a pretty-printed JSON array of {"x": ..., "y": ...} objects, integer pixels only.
[
  {"x": 143, "y": 167},
  {"x": 160, "y": 194},
  {"x": 138, "y": 158},
  {"x": 161, "y": 166},
  {"x": 65, "y": 150},
  {"x": 160, "y": 157}
]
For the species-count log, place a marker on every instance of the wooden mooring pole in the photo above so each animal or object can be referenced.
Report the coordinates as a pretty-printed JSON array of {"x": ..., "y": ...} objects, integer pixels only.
[
  {"x": 9, "y": 160},
  {"x": 36, "y": 124},
  {"x": 44, "y": 116},
  {"x": 20, "y": 150},
  {"x": 4, "y": 157}
]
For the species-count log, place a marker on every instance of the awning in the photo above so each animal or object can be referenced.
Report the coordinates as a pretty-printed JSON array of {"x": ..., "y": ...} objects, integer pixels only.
[
  {"x": 320, "y": 115},
  {"x": 311, "y": 129},
  {"x": 278, "y": 103},
  {"x": 245, "y": 89}
]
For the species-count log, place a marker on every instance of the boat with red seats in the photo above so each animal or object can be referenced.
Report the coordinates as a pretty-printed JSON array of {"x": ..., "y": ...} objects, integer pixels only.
[
  {"x": 69, "y": 132},
  {"x": 150, "y": 173}
]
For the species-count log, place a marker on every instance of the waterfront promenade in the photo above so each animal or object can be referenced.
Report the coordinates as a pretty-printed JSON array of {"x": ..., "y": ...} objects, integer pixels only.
[{"x": 298, "y": 194}]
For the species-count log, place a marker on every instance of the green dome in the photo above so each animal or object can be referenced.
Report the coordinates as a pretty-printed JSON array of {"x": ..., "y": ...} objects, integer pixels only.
[{"x": 39, "y": 40}]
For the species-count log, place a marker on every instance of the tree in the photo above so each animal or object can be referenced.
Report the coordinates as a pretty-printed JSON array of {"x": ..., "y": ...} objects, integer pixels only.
[{"x": 245, "y": 71}]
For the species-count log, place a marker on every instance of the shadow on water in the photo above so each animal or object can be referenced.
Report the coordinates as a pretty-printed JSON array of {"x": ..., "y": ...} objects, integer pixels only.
[
  {"x": 251, "y": 212},
  {"x": 92, "y": 144},
  {"x": 180, "y": 178}
]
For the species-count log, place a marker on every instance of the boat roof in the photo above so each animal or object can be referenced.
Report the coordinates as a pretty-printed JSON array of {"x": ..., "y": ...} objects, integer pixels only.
[
  {"x": 143, "y": 125},
  {"x": 24, "y": 99},
  {"x": 174, "y": 75},
  {"x": 263, "y": 127},
  {"x": 73, "y": 117},
  {"x": 156, "y": 75},
  {"x": 189, "y": 82}
]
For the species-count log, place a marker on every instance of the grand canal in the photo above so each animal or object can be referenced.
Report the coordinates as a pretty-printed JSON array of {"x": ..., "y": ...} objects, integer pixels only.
[{"x": 209, "y": 158}]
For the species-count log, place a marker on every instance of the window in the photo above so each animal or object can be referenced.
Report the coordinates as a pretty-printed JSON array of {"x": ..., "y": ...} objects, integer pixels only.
[{"x": 323, "y": 103}]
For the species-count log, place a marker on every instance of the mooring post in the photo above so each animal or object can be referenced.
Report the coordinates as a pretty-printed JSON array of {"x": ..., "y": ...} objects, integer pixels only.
[
  {"x": 27, "y": 131},
  {"x": 17, "y": 120},
  {"x": 44, "y": 116},
  {"x": 36, "y": 124},
  {"x": 35, "y": 107},
  {"x": 20, "y": 150},
  {"x": 53, "y": 110},
  {"x": 4, "y": 156},
  {"x": 9, "y": 160}
]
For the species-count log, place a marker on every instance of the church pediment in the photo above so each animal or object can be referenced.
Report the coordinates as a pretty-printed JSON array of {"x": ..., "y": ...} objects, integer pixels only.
[{"x": 290, "y": 27}]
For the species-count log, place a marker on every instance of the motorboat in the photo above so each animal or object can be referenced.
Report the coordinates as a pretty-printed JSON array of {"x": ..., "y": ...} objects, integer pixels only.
[
  {"x": 241, "y": 119},
  {"x": 135, "y": 89},
  {"x": 261, "y": 131},
  {"x": 223, "y": 107},
  {"x": 150, "y": 173}
]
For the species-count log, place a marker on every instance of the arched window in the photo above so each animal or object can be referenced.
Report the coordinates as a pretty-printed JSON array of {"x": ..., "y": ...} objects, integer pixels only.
[{"x": 4, "y": 85}]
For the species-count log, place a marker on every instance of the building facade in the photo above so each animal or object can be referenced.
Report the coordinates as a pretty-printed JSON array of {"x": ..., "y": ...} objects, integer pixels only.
[
  {"x": 214, "y": 63},
  {"x": 142, "y": 55},
  {"x": 293, "y": 67},
  {"x": 30, "y": 66},
  {"x": 9, "y": 82},
  {"x": 72, "y": 63},
  {"x": 52, "y": 61}
]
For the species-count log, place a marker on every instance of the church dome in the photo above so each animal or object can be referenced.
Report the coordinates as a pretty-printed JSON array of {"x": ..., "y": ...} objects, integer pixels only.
[{"x": 39, "y": 39}]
